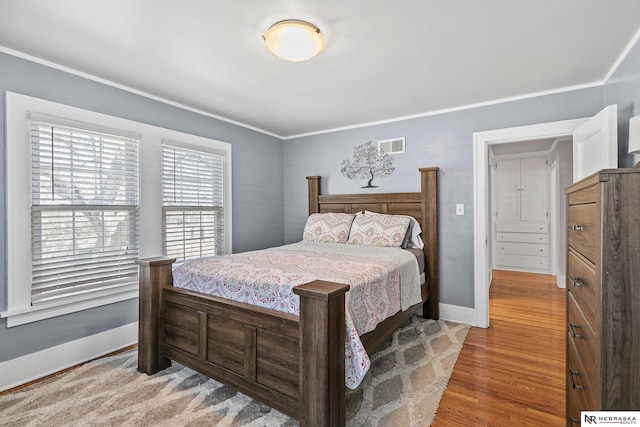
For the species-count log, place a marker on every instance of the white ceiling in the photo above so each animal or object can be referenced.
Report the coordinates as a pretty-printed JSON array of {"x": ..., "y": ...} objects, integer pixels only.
[{"x": 384, "y": 60}]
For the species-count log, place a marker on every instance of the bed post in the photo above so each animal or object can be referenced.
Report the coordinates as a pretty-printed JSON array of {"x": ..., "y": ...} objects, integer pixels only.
[
  {"x": 314, "y": 191},
  {"x": 154, "y": 274},
  {"x": 322, "y": 363},
  {"x": 429, "y": 189}
]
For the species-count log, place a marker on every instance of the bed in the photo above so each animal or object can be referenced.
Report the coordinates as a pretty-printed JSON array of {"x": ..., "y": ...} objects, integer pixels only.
[{"x": 295, "y": 364}]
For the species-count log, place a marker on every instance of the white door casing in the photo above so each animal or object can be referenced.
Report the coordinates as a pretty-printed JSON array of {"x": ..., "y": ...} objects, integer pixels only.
[
  {"x": 553, "y": 216},
  {"x": 583, "y": 159},
  {"x": 481, "y": 143}
]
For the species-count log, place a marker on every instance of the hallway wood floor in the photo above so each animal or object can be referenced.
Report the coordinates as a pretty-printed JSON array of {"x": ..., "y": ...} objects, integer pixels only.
[{"x": 512, "y": 373}]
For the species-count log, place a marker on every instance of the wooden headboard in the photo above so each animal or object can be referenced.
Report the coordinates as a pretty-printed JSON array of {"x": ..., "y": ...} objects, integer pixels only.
[{"x": 423, "y": 206}]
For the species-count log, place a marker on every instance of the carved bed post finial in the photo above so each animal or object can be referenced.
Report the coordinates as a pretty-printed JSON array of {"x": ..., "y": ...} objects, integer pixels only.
[{"x": 314, "y": 193}]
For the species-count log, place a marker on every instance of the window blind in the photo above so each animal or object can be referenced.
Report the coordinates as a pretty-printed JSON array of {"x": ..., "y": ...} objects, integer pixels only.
[
  {"x": 84, "y": 210},
  {"x": 193, "y": 202}
]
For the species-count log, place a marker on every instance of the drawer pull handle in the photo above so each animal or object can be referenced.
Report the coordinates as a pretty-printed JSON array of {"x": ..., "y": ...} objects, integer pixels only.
[
  {"x": 573, "y": 420},
  {"x": 573, "y": 333},
  {"x": 573, "y": 382},
  {"x": 576, "y": 281},
  {"x": 576, "y": 227}
]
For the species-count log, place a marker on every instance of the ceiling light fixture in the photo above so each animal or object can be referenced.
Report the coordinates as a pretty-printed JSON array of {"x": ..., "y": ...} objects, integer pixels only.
[{"x": 294, "y": 40}]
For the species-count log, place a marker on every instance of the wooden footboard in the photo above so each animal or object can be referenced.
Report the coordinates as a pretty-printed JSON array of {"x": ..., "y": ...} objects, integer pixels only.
[{"x": 295, "y": 365}]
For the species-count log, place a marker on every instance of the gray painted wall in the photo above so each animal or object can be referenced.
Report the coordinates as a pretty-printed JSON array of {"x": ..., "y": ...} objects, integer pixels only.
[
  {"x": 446, "y": 140},
  {"x": 443, "y": 140},
  {"x": 623, "y": 88},
  {"x": 257, "y": 181}
]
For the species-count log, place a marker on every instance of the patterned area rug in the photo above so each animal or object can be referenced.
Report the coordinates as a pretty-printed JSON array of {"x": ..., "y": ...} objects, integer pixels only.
[{"x": 404, "y": 387}]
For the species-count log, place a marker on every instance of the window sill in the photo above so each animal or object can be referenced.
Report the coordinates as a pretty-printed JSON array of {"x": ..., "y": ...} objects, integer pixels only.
[{"x": 19, "y": 316}]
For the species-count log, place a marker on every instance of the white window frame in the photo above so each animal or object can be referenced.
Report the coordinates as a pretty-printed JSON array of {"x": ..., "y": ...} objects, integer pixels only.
[
  {"x": 174, "y": 208},
  {"x": 66, "y": 203},
  {"x": 19, "y": 309}
]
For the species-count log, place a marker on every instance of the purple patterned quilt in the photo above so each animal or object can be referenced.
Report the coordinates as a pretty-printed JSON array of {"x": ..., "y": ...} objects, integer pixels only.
[{"x": 382, "y": 280}]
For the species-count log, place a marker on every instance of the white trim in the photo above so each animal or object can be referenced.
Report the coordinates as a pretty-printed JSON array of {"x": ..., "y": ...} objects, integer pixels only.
[
  {"x": 554, "y": 202},
  {"x": 458, "y": 313},
  {"x": 453, "y": 109},
  {"x": 481, "y": 143},
  {"x": 28, "y": 314},
  {"x": 561, "y": 281},
  {"x": 30, "y": 367},
  {"x": 623, "y": 55},
  {"x": 320, "y": 132},
  {"x": 56, "y": 66}
]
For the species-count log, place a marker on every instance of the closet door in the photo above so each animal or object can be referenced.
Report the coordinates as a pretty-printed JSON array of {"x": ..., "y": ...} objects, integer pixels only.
[
  {"x": 533, "y": 189},
  {"x": 507, "y": 183}
]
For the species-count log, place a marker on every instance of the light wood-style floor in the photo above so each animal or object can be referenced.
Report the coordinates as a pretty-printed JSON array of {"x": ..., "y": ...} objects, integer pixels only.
[{"x": 512, "y": 373}]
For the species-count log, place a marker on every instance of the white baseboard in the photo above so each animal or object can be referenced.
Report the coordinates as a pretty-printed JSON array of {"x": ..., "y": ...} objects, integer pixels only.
[
  {"x": 457, "y": 313},
  {"x": 36, "y": 365},
  {"x": 561, "y": 281}
]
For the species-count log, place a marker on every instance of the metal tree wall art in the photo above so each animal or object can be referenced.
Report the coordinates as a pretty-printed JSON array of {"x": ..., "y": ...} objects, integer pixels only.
[{"x": 368, "y": 164}]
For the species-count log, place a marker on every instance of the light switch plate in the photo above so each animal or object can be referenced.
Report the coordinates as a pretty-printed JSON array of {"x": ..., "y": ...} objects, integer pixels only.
[{"x": 459, "y": 208}]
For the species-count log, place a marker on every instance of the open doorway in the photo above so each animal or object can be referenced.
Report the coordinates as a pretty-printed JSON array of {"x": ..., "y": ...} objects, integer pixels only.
[
  {"x": 595, "y": 147},
  {"x": 527, "y": 205},
  {"x": 485, "y": 146}
]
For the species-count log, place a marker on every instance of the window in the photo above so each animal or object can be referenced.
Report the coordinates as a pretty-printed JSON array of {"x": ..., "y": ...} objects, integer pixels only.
[
  {"x": 84, "y": 210},
  {"x": 88, "y": 194},
  {"x": 192, "y": 202}
]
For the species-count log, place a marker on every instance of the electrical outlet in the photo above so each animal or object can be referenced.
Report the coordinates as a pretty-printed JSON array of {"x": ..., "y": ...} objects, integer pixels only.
[{"x": 459, "y": 208}]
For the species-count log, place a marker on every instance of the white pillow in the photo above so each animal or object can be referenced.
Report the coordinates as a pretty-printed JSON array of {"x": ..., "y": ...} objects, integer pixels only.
[
  {"x": 414, "y": 241},
  {"x": 378, "y": 230},
  {"x": 328, "y": 227}
]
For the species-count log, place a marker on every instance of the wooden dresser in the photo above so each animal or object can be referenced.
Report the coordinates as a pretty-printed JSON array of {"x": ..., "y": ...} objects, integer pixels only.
[{"x": 603, "y": 293}]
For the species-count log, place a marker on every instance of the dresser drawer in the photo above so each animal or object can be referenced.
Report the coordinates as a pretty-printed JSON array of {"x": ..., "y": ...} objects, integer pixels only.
[
  {"x": 583, "y": 229},
  {"x": 575, "y": 404},
  {"x": 523, "y": 261},
  {"x": 585, "y": 287},
  {"x": 585, "y": 195},
  {"x": 520, "y": 227},
  {"x": 580, "y": 384},
  {"x": 583, "y": 338},
  {"x": 523, "y": 237},
  {"x": 522, "y": 249}
]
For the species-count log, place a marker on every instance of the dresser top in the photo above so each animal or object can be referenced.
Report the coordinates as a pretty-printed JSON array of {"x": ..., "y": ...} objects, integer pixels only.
[{"x": 600, "y": 176}]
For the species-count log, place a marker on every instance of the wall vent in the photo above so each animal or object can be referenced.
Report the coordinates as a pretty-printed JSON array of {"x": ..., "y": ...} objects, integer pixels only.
[{"x": 391, "y": 146}]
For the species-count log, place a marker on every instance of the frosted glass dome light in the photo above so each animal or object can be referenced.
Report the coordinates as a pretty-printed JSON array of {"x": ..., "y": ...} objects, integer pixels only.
[{"x": 294, "y": 40}]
